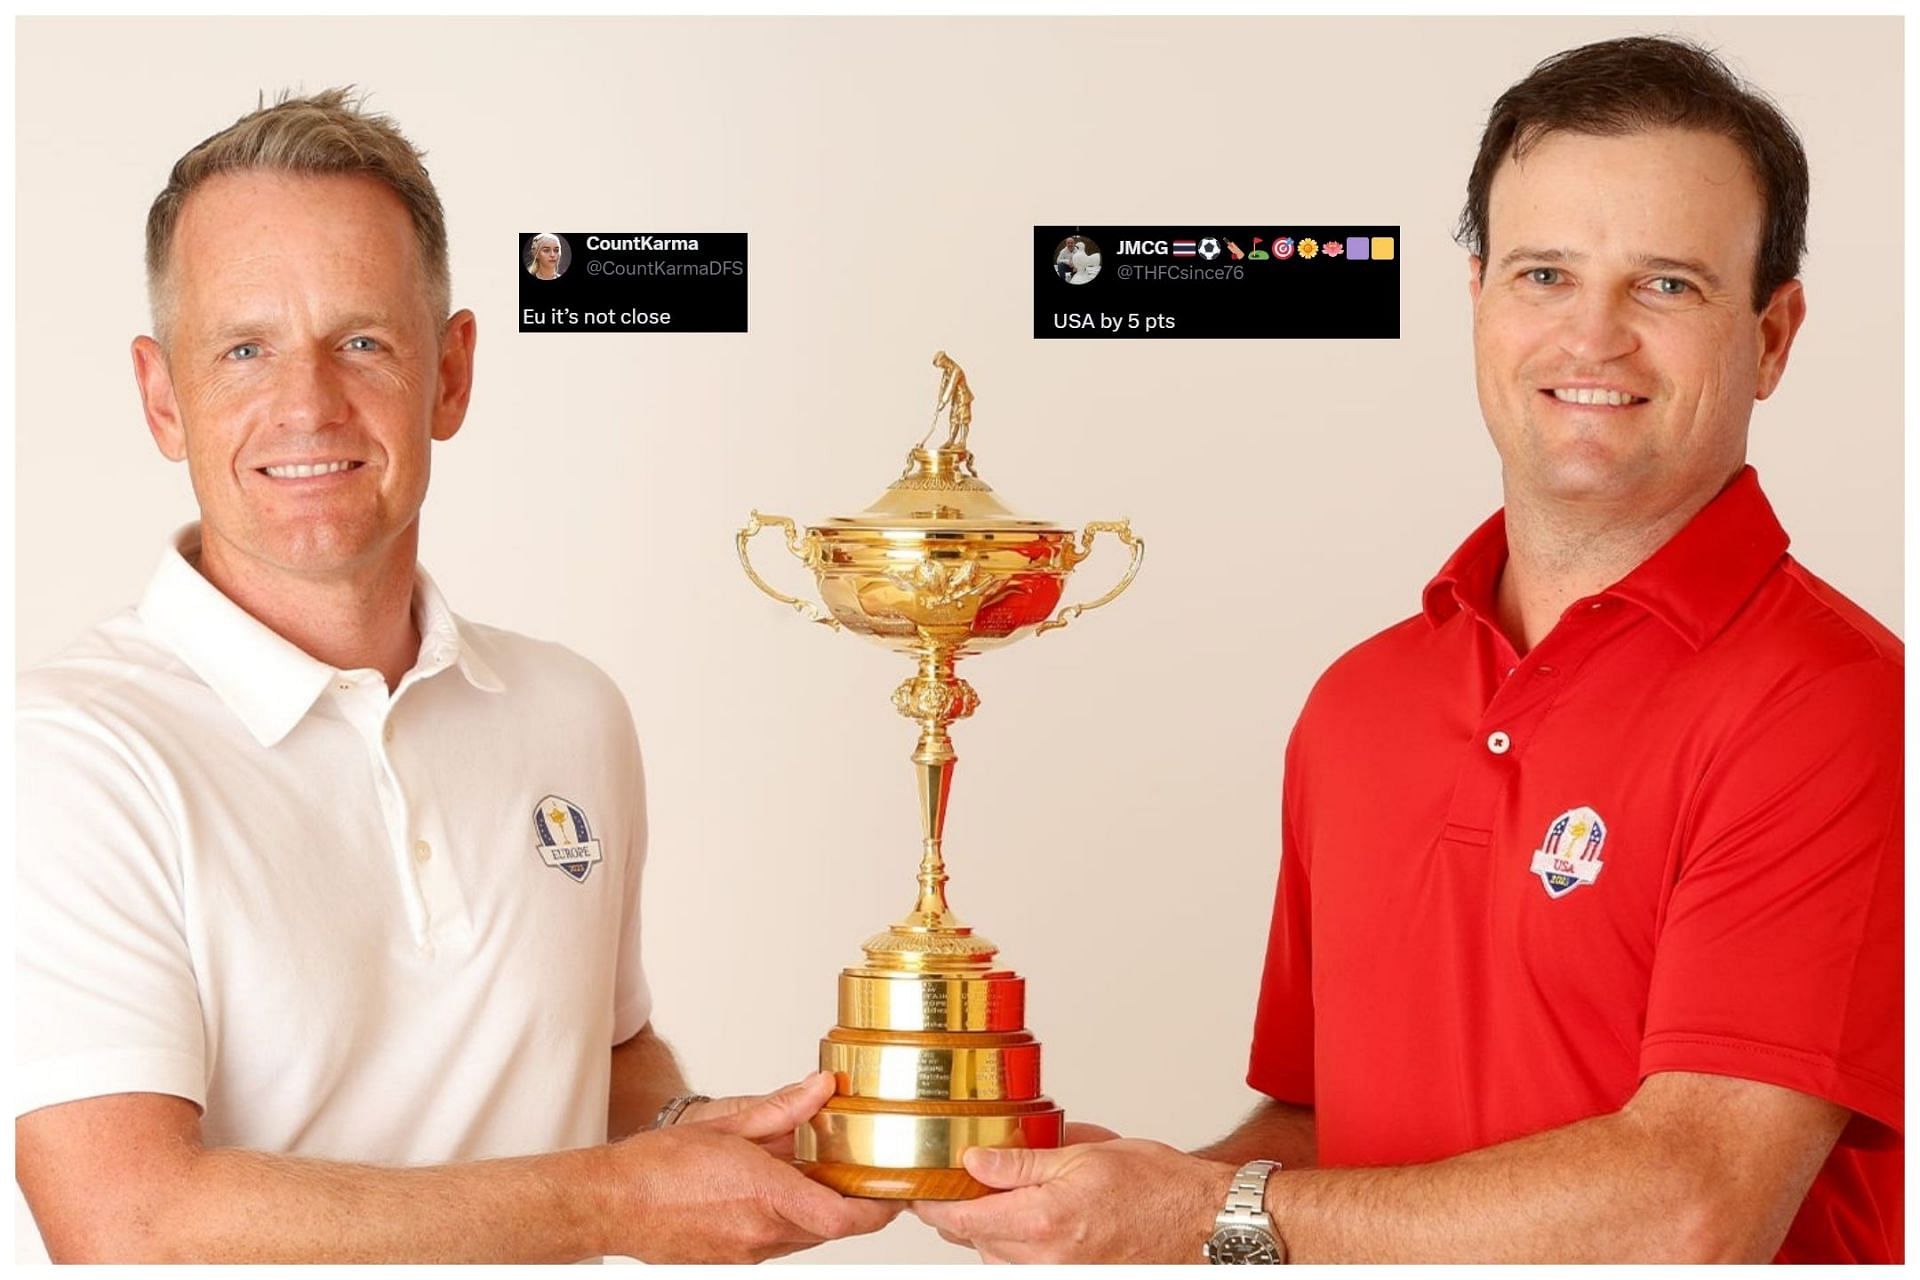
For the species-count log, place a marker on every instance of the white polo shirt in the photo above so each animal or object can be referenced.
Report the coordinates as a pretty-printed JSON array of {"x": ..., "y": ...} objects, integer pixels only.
[{"x": 398, "y": 928}]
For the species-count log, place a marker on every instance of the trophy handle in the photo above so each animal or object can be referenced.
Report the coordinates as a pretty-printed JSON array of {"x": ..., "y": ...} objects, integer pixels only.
[
  {"x": 1121, "y": 530},
  {"x": 802, "y": 550}
]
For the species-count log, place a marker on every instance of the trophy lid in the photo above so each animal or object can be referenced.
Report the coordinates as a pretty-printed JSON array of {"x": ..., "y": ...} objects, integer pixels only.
[{"x": 940, "y": 491}]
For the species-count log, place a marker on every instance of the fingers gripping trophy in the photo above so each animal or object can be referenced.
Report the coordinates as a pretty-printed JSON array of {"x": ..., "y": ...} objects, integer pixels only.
[{"x": 931, "y": 1053}]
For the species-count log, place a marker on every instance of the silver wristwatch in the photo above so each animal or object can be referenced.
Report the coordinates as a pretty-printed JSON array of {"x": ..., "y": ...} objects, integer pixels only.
[
  {"x": 1243, "y": 1231},
  {"x": 669, "y": 1114}
]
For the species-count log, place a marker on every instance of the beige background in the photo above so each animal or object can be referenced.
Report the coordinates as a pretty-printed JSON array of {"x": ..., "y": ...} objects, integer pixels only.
[{"x": 1116, "y": 813}]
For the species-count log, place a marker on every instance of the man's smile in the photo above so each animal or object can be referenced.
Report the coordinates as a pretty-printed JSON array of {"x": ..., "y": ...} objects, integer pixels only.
[
  {"x": 309, "y": 470},
  {"x": 1595, "y": 397}
]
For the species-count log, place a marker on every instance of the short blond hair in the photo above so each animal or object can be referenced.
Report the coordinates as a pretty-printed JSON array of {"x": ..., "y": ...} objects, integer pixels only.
[{"x": 324, "y": 133}]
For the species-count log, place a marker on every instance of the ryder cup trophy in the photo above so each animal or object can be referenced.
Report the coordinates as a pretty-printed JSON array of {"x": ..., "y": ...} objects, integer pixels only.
[{"x": 931, "y": 1053}]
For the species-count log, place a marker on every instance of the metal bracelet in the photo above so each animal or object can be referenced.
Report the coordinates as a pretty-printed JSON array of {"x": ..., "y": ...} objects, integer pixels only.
[{"x": 670, "y": 1113}]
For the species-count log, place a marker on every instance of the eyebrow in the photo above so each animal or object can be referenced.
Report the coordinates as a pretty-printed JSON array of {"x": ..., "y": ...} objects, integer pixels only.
[
  {"x": 1530, "y": 254},
  {"x": 1646, "y": 262}
]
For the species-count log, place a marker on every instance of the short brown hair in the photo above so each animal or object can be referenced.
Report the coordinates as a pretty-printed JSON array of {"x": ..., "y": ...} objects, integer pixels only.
[
  {"x": 325, "y": 133},
  {"x": 1640, "y": 83}
]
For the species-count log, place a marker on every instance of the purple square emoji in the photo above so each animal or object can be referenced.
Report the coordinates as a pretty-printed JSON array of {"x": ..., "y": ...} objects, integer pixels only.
[{"x": 1357, "y": 249}]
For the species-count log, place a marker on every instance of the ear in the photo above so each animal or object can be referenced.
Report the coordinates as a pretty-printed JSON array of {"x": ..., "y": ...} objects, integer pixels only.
[
  {"x": 455, "y": 383},
  {"x": 158, "y": 398},
  {"x": 1779, "y": 322},
  {"x": 1476, "y": 276}
]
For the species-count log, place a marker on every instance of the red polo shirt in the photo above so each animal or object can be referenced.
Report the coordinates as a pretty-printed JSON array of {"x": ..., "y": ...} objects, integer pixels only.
[{"x": 1666, "y": 839}]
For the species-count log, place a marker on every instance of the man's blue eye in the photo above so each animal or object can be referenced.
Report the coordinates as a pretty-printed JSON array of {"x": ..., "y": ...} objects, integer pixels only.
[
  {"x": 245, "y": 351},
  {"x": 1670, "y": 287},
  {"x": 362, "y": 344},
  {"x": 1544, "y": 275}
]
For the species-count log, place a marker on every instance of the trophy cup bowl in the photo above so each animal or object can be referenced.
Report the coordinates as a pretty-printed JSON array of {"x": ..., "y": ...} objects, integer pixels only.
[{"x": 931, "y": 1053}]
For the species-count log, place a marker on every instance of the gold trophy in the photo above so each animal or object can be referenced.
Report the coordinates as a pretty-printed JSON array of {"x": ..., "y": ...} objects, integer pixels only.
[{"x": 931, "y": 1053}]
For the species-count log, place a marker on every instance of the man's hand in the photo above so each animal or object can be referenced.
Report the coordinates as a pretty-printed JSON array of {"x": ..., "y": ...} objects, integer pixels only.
[
  {"x": 1119, "y": 1201},
  {"x": 706, "y": 1190},
  {"x": 779, "y": 1145}
]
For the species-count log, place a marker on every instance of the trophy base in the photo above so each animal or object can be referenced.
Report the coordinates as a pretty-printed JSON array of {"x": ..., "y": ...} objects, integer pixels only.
[
  {"x": 930, "y": 1057},
  {"x": 870, "y": 1183},
  {"x": 902, "y": 1149}
]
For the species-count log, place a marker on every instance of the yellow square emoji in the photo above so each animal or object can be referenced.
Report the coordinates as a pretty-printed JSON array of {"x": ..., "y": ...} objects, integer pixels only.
[{"x": 1382, "y": 247}]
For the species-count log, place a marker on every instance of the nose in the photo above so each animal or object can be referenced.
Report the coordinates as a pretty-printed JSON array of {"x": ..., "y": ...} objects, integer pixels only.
[
  {"x": 1597, "y": 326},
  {"x": 310, "y": 392}
]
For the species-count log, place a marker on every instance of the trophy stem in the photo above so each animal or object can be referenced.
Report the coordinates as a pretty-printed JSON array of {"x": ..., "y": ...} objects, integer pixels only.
[
  {"x": 933, "y": 759},
  {"x": 932, "y": 935},
  {"x": 936, "y": 780}
]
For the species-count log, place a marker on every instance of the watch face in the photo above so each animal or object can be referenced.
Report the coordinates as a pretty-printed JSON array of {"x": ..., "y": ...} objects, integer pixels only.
[{"x": 1242, "y": 1244}]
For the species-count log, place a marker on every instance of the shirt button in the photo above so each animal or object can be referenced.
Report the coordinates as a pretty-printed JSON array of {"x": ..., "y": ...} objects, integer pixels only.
[
  {"x": 344, "y": 687},
  {"x": 422, "y": 850},
  {"x": 1498, "y": 743}
]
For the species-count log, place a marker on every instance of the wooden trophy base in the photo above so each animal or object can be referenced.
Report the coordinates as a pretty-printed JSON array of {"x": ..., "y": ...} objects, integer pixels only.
[{"x": 896, "y": 1184}]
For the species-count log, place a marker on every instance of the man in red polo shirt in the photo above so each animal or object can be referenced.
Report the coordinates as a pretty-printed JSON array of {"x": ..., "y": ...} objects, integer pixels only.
[{"x": 1588, "y": 939}]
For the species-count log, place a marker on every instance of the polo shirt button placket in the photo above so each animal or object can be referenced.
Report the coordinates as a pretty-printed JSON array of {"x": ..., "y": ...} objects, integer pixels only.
[
  {"x": 411, "y": 855},
  {"x": 1490, "y": 764}
]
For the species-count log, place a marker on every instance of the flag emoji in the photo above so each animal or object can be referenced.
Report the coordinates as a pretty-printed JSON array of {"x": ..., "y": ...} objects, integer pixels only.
[{"x": 1184, "y": 248}]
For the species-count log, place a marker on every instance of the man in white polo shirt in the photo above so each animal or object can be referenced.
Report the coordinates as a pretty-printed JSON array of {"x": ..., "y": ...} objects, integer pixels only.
[{"x": 328, "y": 898}]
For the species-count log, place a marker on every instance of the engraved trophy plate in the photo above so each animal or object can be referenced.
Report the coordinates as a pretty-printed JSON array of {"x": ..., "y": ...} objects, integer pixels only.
[{"x": 931, "y": 1053}]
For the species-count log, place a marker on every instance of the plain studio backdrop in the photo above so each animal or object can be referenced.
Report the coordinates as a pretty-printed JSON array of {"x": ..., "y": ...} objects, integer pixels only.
[{"x": 1115, "y": 818}]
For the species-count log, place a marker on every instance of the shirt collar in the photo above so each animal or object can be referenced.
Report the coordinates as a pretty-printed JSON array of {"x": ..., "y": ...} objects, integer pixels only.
[
  {"x": 266, "y": 680},
  {"x": 1705, "y": 572},
  {"x": 1468, "y": 578},
  {"x": 1694, "y": 583}
]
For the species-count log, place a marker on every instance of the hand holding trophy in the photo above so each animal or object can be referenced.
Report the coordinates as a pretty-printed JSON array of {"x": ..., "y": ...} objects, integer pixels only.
[{"x": 931, "y": 1055}]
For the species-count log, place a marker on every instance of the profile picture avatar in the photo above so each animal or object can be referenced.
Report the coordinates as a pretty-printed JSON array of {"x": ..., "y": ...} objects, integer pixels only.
[
  {"x": 547, "y": 256},
  {"x": 1077, "y": 260}
]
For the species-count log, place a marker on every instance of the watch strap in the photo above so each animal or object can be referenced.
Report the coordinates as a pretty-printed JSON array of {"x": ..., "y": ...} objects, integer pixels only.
[
  {"x": 1247, "y": 1194},
  {"x": 674, "y": 1108}
]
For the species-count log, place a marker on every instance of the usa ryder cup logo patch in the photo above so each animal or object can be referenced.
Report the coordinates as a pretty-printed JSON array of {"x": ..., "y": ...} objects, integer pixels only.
[
  {"x": 565, "y": 841},
  {"x": 1570, "y": 855}
]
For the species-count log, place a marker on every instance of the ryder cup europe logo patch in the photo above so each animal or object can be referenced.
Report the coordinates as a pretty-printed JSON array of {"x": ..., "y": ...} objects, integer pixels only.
[
  {"x": 1570, "y": 855},
  {"x": 565, "y": 841}
]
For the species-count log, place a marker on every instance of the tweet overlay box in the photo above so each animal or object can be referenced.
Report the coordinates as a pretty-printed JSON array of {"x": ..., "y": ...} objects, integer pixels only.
[
  {"x": 633, "y": 282},
  {"x": 1217, "y": 280}
]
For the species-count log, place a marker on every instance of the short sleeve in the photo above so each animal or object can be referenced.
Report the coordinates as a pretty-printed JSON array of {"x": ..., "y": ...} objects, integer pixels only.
[
  {"x": 632, "y": 999},
  {"x": 1281, "y": 1062},
  {"x": 1779, "y": 958},
  {"x": 105, "y": 995}
]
